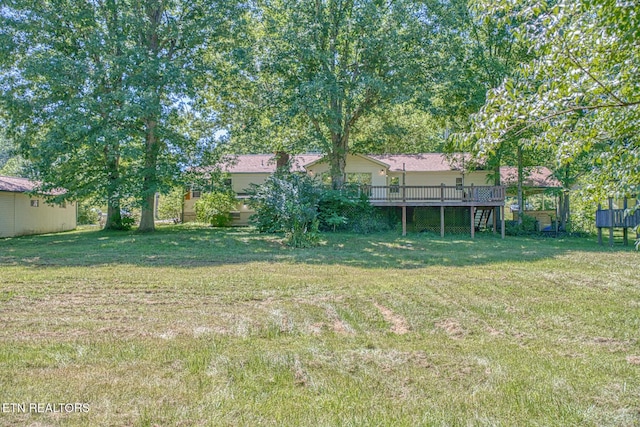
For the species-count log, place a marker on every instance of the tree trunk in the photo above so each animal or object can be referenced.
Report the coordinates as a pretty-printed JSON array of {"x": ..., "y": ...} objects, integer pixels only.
[
  {"x": 150, "y": 178},
  {"x": 282, "y": 161},
  {"x": 338, "y": 159},
  {"x": 114, "y": 217}
]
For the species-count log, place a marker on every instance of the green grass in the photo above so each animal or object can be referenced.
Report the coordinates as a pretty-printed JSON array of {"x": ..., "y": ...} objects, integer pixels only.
[{"x": 197, "y": 326}]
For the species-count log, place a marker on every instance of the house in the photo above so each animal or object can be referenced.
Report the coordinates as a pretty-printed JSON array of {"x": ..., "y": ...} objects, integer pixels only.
[
  {"x": 22, "y": 212},
  {"x": 430, "y": 191}
]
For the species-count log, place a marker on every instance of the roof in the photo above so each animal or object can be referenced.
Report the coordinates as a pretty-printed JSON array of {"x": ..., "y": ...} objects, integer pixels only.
[
  {"x": 425, "y": 162},
  {"x": 538, "y": 176},
  {"x": 14, "y": 184},
  {"x": 264, "y": 163}
]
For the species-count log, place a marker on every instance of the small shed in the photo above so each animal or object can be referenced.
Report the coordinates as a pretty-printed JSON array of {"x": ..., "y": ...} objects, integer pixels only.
[{"x": 23, "y": 212}]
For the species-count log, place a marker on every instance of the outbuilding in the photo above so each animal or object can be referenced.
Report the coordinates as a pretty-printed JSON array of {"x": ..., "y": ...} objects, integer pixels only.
[{"x": 23, "y": 212}]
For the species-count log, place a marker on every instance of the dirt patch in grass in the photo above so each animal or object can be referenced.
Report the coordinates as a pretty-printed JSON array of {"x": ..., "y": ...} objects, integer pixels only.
[
  {"x": 634, "y": 360},
  {"x": 399, "y": 324},
  {"x": 452, "y": 327}
]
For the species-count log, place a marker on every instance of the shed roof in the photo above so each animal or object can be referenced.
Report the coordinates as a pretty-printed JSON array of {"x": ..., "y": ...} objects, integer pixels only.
[{"x": 16, "y": 185}]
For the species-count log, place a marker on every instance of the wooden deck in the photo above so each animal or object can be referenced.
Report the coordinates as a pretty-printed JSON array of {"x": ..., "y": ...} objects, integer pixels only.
[
  {"x": 475, "y": 198},
  {"x": 437, "y": 195}
]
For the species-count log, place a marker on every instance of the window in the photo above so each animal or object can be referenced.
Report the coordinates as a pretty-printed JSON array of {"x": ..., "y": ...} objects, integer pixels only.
[
  {"x": 235, "y": 215},
  {"x": 458, "y": 183},
  {"x": 35, "y": 203},
  {"x": 196, "y": 193}
]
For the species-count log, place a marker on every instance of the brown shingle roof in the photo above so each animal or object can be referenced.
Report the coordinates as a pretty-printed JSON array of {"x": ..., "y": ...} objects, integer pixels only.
[
  {"x": 425, "y": 162},
  {"x": 264, "y": 163},
  {"x": 16, "y": 185}
]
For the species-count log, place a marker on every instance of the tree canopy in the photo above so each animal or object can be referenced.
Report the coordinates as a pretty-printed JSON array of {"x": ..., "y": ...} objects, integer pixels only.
[
  {"x": 327, "y": 64},
  {"x": 579, "y": 94},
  {"x": 97, "y": 91}
]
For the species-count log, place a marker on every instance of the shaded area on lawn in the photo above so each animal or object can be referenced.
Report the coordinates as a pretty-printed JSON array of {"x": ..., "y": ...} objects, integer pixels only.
[{"x": 188, "y": 246}]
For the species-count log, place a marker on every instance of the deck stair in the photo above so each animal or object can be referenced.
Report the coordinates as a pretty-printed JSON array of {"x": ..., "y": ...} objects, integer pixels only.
[{"x": 482, "y": 217}]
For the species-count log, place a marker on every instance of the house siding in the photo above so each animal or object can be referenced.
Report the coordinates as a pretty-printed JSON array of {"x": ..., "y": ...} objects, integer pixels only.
[
  {"x": 354, "y": 164},
  {"x": 18, "y": 217},
  {"x": 7, "y": 214}
]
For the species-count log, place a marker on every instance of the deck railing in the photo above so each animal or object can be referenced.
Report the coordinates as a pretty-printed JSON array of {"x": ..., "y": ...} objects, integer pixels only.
[
  {"x": 617, "y": 218},
  {"x": 434, "y": 193}
]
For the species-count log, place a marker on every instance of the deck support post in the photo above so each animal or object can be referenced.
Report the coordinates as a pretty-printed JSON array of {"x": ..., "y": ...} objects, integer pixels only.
[
  {"x": 600, "y": 228},
  {"x": 473, "y": 222},
  {"x": 625, "y": 230},
  {"x": 441, "y": 221},
  {"x": 502, "y": 220},
  {"x": 611, "y": 219},
  {"x": 495, "y": 219},
  {"x": 404, "y": 220}
]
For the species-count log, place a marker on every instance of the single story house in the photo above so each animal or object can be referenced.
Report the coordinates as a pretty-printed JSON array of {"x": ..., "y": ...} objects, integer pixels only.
[
  {"x": 431, "y": 191},
  {"x": 22, "y": 212}
]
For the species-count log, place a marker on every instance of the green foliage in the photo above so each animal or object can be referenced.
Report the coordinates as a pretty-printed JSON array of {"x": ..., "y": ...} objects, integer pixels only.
[
  {"x": 579, "y": 95},
  {"x": 170, "y": 205},
  {"x": 108, "y": 104},
  {"x": 87, "y": 213},
  {"x": 214, "y": 208},
  {"x": 287, "y": 202},
  {"x": 323, "y": 66},
  {"x": 528, "y": 226},
  {"x": 349, "y": 210}
]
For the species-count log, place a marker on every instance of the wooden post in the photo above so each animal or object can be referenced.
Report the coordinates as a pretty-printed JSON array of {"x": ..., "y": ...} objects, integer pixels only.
[
  {"x": 441, "y": 220},
  {"x": 625, "y": 230},
  {"x": 502, "y": 219},
  {"x": 404, "y": 220},
  {"x": 611, "y": 224},
  {"x": 599, "y": 228},
  {"x": 473, "y": 222},
  {"x": 495, "y": 219}
]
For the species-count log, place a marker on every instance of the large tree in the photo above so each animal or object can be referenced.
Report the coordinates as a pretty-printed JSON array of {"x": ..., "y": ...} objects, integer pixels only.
[
  {"x": 96, "y": 90},
  {"x": 580, "y": 93},
  {"x": 333, "y": 62}
]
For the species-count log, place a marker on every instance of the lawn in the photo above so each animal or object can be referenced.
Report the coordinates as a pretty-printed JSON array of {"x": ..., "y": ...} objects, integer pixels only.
[{"x": 197, "y": 326}]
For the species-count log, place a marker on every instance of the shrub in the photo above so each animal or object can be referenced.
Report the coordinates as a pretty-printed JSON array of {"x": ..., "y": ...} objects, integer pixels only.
[
  {"x": 287, "y": 202},
  {"x": 528, "y": 226},
  {"x": 87, "y": 214},
  {"x": 215, "y": 208},
  {"x": 170, "y": 205},
  {"x": 349, "y": 210}
]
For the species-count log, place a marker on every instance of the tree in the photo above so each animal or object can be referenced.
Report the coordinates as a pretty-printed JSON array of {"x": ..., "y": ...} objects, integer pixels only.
[
  {"x": 97, "y": 90},
  {"x": 334, "y": 62},
  {"x": 11, "y": 163},
  {"x": 580, "y": 93},
  {"x": 401, "y": 128}
]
